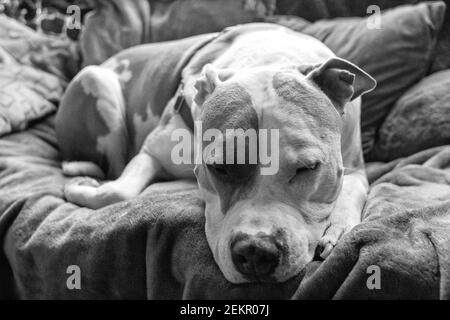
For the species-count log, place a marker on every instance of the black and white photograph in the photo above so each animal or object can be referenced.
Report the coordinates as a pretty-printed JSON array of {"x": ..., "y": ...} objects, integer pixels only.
[{"x": 241, "y": 151}]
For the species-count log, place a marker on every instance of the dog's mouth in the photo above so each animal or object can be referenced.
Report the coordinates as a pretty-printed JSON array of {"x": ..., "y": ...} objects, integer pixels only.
[
  {"x": 262, "y": 280},
  {"x": 261, "y": 245},
  {"x": 257, "y": 261},
  {"x": 263, "y": 258},
  {"x": 272, "y": 278}
]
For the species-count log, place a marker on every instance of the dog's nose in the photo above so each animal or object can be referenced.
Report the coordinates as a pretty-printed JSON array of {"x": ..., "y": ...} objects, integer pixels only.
[{"x": 255, "y": 256}]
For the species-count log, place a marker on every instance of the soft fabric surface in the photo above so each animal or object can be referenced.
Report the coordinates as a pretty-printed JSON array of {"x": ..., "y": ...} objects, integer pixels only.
[
  {"x": 55, "y": 55},
  {"x": 155, "y": 247},
  {"x": 419, "y": 120},
  {"x": 33, "y": 73},
  {"x": 313, "y": 10},
  {"x": 397, "y": 55},
  {"x": 144, "y": 21}
]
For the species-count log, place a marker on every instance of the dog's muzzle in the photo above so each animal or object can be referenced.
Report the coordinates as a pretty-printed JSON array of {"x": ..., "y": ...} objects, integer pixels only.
[{"x": 256, "y": 257}]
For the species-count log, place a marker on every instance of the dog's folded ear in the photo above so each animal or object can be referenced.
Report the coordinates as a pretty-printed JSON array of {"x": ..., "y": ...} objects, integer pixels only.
[
  {"x": 340, "y": 80},
  {"x": 208, "y": 82}
]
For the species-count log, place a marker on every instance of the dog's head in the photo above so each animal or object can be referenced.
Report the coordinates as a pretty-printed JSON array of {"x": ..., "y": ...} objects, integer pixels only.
[{"x": 270, "y": 193}]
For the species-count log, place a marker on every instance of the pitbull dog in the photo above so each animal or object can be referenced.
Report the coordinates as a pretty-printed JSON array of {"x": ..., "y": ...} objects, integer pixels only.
[{"x": 260, "y": 228}]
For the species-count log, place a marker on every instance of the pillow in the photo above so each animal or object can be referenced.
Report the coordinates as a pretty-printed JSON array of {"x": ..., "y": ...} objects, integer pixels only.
[
  {"x": 397, "y": 55},
  {"x": 419, "y": 120},
  {"x": 28, "y": 91},
  {"x": 144, "y": 21},
  {"x": 27, "y": 94},
  {"x": 313, "y": 10},
  {"x": 55, "y": 55}
]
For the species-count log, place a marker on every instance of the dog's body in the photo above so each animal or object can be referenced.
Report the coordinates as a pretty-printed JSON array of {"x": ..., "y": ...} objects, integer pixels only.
[{"x": 257, "y": 76}]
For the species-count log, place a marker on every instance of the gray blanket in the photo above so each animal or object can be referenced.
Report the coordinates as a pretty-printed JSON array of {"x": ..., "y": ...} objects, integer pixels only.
[{"x": 154, "y": 246}]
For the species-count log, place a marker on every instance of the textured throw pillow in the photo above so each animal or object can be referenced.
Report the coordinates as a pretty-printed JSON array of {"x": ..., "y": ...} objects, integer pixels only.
[
  {"x": 26, "y": 94},
  {"x": 419, "y": 120},
  {"x": 30, "y": 75},
  {"x": 313, "y": 10},
  {"x": 56, "y": 55},
  {"x": 397, "y": 55}
]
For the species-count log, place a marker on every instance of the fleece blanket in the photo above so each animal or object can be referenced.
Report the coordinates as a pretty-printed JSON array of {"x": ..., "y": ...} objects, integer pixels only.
[{"x": 154, "y": 247}]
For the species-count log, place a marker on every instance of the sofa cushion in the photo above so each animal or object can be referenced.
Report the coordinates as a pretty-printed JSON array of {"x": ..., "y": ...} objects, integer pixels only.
[
  {"x": 313, "y": 10},
  {"x": 33, "y": 70},
  {"x": 115, "y": 25},
  {"x": 419, "y": 120}
]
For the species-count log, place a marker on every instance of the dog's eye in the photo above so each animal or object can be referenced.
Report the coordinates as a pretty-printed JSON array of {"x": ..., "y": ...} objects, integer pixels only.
[
  {"x": 305, "y": 169},
  {"x": 312, "y": 167}
]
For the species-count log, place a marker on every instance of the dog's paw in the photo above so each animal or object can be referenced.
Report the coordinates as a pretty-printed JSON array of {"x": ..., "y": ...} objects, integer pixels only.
[
  {"x": 331, "y": 237},
  {"x": 88, "y": 192},
  {"x": 83, "y": 181}
]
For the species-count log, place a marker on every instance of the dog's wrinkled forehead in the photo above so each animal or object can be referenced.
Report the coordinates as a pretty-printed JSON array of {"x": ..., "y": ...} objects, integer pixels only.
[
  {"x": 270, "y": 100},
  {"x": 303, "y": 98},
  {"x": 229, "y": 107}
]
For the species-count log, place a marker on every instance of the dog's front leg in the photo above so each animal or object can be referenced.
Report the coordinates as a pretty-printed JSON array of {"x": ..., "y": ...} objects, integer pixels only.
[
  {"x": 348, "y": 210},
  {"x": 90, "y": 193},
  {"x": 154, "y": 162}
]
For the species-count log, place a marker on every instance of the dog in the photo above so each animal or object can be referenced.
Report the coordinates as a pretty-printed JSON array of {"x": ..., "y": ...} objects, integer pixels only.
[{"x": 117, "y": 121}]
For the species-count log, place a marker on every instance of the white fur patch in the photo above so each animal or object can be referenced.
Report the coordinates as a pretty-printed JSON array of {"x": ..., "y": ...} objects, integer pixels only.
[
  {"x": 138, "y": 122},
  {"x": 102, "y": 84},
  {"x": 121, "y": 68}
]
